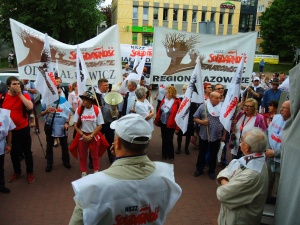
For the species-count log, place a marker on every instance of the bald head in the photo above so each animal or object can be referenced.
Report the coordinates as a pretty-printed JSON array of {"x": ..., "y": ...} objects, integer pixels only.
[{"x": 214, "y": 98}]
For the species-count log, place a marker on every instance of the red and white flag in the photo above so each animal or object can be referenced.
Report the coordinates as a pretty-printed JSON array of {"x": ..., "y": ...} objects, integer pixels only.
[
  {"x": 81, "y": 72},
  {"x": 45, "y": 81},
  {"x": 232, "y": 97},
  {"x": 194, "y": 93}
]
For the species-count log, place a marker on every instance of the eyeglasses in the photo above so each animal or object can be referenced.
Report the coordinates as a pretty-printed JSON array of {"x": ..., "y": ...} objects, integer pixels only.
[
  {"x": 219, "y": 89},
  {"x": 248, "y": 106}
]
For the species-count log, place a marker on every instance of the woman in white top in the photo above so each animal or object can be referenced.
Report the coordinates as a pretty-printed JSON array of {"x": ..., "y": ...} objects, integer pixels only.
[
  {"x": 75, "y": 102},
  {"x": 143, "y": 106},
  {"x": 73, "y": 97},
  {"x": 88, "y": 122}
]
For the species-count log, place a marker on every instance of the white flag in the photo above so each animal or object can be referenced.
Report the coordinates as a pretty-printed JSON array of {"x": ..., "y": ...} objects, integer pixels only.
[
  {"x": 140, "y": 67},
  {"x": 194, "y": 93},
  {"x": 232, "y": 97},
  {"x": 81, "y": 72},
  {"x": 285, "y": 86},
  {"x": 45, "y": 81},
  {"x": 133, "y": 77}
]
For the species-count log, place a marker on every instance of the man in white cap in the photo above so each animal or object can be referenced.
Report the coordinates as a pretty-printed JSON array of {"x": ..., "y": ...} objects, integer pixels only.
[
  {"x": 133, "y": 188},
  {"x": 255, "y": 91}
]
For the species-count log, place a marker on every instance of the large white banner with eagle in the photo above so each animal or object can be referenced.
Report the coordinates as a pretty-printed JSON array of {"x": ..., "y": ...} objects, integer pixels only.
[
  {"x": 175, "y": 54},
  {"x": 101, "y": 54}
]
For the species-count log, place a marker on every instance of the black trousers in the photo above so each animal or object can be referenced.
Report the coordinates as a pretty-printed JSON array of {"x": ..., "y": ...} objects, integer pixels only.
[
  {"x": 167, "y": 135},
  {"x": 21, "y": 144},
  {"x": 109, "y": 135},
  {"x": 213, "y": 147},
  {"x": 65, "y": 157}
]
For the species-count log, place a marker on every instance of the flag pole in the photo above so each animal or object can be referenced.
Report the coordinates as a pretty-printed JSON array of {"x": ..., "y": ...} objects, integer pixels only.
[
  {"x": 205, "y": 114},
  {"x": 93, "y": 91}
]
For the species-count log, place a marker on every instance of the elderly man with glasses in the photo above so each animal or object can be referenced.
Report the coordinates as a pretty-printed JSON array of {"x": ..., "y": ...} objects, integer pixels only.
[{"x": 243, "y": 185}]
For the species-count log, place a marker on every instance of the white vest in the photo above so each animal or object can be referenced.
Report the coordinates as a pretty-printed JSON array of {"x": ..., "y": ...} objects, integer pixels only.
[
  {"x": 106, "y": 200},
  {"x": 275, "y": 133}
]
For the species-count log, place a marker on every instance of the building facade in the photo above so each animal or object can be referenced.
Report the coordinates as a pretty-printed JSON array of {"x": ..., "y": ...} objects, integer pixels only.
[
  {"x": 261, "y": 7},
  {"x": 137, "y": 19}
]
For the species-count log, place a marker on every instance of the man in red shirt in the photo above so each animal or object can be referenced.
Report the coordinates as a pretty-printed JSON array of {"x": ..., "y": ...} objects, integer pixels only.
[{"x": 18, "y": 103}]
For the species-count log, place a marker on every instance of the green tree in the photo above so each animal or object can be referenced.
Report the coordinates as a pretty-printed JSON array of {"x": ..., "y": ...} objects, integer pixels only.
[
  {"x": 106, "y": 11},
  {"x": 279, "y": 28},
  {"x": 68, "y": 21}
]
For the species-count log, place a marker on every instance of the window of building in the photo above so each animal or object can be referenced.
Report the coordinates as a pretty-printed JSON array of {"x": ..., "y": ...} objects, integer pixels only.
[
  {"x": 203, "y": 16},
  {"x": 212, "y": 16},
  {"x": 135, "y": 12},
  {"x": 155, "y": 13},
  {"x": 257, "y": 21},
  {"x": 258, "y": 34},
  {"x": 145, "y": 13},
  {"x": 175, "y": 14},
  {"x": 194, "y": 17},
  {"x": 230, "y": 18},
  {"x": 261, "y": 8},
  {"x": 257, "y": 48},
  {"x": 165, "y": 14},
  {"x": 184, "y": 15},
  {"x": 221, "y": 18}
]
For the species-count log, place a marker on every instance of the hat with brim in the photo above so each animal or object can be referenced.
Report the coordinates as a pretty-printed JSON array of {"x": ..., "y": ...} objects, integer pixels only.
[
  {"x": 88, "y": 96},
  {"x": 275, "y": 81}
]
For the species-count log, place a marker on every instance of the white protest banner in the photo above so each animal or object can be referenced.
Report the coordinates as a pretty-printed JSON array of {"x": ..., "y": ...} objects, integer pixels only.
[
  {"x": 101, "y": 54},
  {"x": 232, "y": 98},
  {"x": 175, "y": 54},
  {"x": 194, "y": 93},
  {"x": 129, "y": 52},
  {"x": 45, "y": 80}
]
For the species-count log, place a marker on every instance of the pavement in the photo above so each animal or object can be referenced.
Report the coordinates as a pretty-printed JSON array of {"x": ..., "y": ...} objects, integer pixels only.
[{"x": 49, "y": 200}]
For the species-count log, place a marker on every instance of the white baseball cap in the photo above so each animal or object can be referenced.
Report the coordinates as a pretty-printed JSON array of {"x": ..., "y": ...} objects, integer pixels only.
[
  {"x": 132, "y": 126},
  {"x": 256, "y": 78}
]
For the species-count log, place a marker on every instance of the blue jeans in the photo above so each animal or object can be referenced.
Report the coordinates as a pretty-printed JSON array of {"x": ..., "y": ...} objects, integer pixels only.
[{"x": 204, "y": 145}]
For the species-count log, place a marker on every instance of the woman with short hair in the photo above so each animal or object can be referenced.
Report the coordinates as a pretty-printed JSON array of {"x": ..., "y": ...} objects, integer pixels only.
[
  {"x": 247, "y": 119},
  {"x": 143, "y": 106},
  {"x": 165, "y": 118}
]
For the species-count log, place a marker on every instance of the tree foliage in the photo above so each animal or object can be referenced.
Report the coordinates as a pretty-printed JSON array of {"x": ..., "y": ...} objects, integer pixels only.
[
  {"x": 279, "y": 28},
  {"x": 106, "y": 11},
  {"x": 65, "y": 20}
]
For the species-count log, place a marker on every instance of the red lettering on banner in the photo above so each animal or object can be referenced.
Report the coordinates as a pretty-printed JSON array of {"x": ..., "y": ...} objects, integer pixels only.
[
  {"x": 144, "y": 217},
  {"x": 98, "y": 53},
  {"x": 231, "y": 106},
  {"x": 229, "y": 59},
  {"x": 183, "y": 104},
  {"x": 0, "y": 124},
  {"x": 141, "y": 53},
  {"x": 52, "y": 77}
]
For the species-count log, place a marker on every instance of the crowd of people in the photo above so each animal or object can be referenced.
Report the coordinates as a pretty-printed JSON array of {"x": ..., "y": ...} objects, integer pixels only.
[{"x": 255, "y": 138}]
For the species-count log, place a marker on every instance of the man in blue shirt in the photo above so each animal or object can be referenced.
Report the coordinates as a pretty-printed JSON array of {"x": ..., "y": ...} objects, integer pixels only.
[{"x": 271, "y": 94}]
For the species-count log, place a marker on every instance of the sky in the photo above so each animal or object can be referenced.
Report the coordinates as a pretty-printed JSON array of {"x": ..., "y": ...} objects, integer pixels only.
[{"x": 107, "y": 2}]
